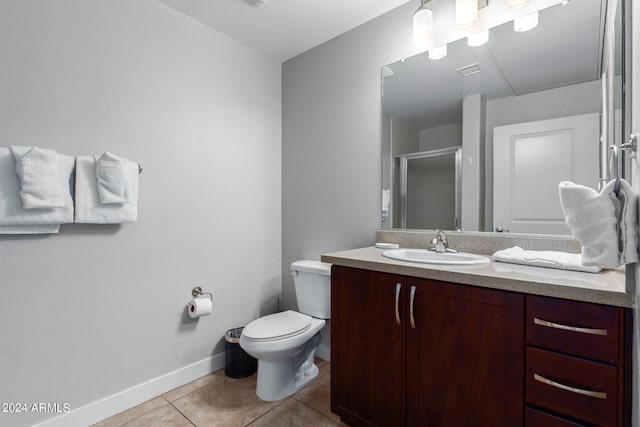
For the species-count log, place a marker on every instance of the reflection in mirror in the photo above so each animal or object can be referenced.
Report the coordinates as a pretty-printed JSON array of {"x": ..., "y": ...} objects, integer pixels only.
[
  {"x": 529, "y": 102},
  {"x": 428, "y": 183}
]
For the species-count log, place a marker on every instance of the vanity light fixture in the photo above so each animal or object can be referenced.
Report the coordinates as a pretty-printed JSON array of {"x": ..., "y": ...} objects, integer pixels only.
[
  {"x": 478, "y": 39},
  {"x": 422, "y": 23},
  {"x": 466, "y": 13},
  {"x": 438, "y": 52},
  {"x": 516, "y": 4},
  {"x": 526, "y": 23}
]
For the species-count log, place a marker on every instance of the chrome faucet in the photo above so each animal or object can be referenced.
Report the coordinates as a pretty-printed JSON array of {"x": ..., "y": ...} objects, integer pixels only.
[{"x": 440, "y": 243}]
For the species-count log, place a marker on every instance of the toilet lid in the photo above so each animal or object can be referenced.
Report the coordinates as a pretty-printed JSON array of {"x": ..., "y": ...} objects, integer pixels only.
[{"x": 277, "y": 326}]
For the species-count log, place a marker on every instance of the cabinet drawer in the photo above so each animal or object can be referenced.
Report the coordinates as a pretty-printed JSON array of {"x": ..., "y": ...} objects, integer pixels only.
[
  {"x": 578, "y": 328},
  {"x": 535, "y": 418},
  {"x": 576, "y": 387}
]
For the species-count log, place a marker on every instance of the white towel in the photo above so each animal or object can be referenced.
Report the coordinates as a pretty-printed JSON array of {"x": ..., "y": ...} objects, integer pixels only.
[
  {"x": 88, "y": 206},
  {"x": 602, "y": 222},
  {"x": 626, "y": 205},
  {"x": 39, "y": 176},
  {"x": 113, "y": 179},
  {"x": 386, "y": 203},
  {"x": 549, "y": 259},
  {"x": 30, "y": 229},
  {"x": 14, "y": 219}
]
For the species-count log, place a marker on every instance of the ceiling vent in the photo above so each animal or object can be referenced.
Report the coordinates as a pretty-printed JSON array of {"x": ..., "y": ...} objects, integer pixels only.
[
  {"x": 469, "y": 70},
  {"x": 258, "y": 3}
]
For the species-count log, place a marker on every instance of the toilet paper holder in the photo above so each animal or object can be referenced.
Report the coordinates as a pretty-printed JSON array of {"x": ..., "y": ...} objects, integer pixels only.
[{"x": 198, "y": 292}]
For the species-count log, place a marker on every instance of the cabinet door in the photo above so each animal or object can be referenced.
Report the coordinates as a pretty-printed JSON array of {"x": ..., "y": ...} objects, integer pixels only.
[
  {"x": 368, "y": 339},
  {"x": 464, "y": 356}
]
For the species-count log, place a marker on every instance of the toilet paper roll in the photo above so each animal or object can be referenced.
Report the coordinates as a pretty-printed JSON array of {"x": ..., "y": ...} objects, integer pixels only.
[{"x": 200, "y": 306}]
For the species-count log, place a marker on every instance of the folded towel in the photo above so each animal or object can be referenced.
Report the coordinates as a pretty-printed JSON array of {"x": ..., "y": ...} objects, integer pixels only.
[
  {"x": 113, "y": 179},
  {"x": 14, "y": 218},
  {"x": 30, "y": 229},
  {"x": 604, "y": 223},
  {"x": 39, "y": 177},
  {"x": 549, "y": 259},
  {"x": 88, "y": 206}
]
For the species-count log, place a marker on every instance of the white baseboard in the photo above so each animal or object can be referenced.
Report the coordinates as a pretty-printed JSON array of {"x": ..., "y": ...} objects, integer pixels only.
[{"x": 121, "y": 401}]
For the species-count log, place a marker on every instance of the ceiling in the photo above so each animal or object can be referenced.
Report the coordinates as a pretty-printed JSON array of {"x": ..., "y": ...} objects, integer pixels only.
[
  {"x": 564, "y": 49},
  {"x": 283, "y": 29}
]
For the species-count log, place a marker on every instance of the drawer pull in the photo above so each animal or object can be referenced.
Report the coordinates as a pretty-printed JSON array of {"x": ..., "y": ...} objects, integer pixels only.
[
  {"x": 411, "y": 318},
  {"x": 596, "y": 394},
  {"x": 398, "y": 288},
  {"x": 569, "y": 328}
]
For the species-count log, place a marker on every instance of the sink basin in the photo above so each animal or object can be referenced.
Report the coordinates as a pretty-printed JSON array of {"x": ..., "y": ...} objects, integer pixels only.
[{"x": 430, "y": 257}]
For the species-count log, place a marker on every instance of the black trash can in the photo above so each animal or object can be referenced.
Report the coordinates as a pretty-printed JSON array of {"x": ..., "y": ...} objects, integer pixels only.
[{"x": 238, "y": 363}]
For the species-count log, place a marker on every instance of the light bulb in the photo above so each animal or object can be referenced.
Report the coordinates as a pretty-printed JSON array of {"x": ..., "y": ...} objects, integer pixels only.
[
  {"x": 478, "y": 39},
  {"x": 438, "y": 52},
  {"x": 525, "y": 23},
  {"x": 466, "y": 13},
  {"x": 422, "y": 24}
]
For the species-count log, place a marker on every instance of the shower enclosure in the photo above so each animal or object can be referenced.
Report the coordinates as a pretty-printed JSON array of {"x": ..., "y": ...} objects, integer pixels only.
[{"x": 426, "y": 189}]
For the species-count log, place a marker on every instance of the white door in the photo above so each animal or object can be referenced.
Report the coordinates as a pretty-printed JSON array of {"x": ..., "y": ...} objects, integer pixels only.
[{"x": 531, "y": 159}]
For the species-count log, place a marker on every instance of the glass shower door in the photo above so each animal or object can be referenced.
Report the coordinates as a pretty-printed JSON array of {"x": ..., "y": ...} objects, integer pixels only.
[{"x": 428, "y": 184}]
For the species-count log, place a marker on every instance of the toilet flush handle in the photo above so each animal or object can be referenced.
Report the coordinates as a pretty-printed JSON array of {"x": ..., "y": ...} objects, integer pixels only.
[{"x": 293, "y": 273}]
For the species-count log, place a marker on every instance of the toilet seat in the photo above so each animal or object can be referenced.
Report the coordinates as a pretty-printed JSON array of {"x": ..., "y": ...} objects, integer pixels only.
[{"x": 277, "y": 326}]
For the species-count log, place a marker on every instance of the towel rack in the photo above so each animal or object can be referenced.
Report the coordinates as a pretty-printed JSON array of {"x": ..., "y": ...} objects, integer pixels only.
[{"x": 632, "y": 146}]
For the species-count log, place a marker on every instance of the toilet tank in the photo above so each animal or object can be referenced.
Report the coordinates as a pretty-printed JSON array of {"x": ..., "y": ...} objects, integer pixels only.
[{"x": 312, "y": 281}]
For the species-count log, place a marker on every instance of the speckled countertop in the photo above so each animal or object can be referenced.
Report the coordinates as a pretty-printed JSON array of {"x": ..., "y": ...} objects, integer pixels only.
[{"x": 606, "y": 287}]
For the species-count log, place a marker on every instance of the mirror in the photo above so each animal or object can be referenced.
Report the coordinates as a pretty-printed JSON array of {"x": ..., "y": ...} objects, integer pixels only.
[{"x": 527, "y": 86}]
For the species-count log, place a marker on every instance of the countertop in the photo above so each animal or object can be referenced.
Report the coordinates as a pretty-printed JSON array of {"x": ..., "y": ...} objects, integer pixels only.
[{"x": 606, "y": 287}]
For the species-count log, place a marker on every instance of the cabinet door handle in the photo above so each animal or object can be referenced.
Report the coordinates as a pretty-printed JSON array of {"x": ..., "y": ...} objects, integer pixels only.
[
  {"x": 412, "y": 319},
  {"x": 569, "y": 328},
  {"x": 398, "y": 288},
  {"x": 596, "y": 394}
]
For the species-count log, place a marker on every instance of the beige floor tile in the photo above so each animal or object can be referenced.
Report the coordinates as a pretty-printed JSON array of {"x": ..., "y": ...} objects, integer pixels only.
[
  {"x": 225, "y": 402},
  {"x": 166, "y": 416},
  {"x": 317, "y": 395},
  {"x": 133, "y": 413},
  {"x": 293, "y": 413},
  {"x": 182, "y": 391}
]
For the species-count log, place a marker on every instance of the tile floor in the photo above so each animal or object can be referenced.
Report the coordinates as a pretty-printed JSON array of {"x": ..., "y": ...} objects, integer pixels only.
[{"x": 217, "y": 400}]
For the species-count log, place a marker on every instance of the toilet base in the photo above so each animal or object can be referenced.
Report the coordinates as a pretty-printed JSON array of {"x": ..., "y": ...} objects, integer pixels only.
[{"x": 278, "y": 379}]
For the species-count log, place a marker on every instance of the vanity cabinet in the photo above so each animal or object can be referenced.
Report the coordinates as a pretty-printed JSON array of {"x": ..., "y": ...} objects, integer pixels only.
[
  {"x": 419, "y": 352},
  {"x": 576, "y": 357}
]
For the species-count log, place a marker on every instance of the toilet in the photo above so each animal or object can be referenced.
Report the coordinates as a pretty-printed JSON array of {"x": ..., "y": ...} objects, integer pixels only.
[{"x": 285, "y": 343}]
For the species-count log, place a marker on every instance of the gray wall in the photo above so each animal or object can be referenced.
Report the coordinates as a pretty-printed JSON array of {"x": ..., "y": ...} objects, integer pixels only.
[
  {"x": 97, "y": 310},
  {"x": 331, "y": 146},
  {"x": 444, "y": 136},
  {"x": 404, "y": 138},
  {"x": 331, "y": 141}
]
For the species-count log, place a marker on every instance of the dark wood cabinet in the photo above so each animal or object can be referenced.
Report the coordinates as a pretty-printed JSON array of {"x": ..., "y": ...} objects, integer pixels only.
[
  {"x": 418, "y": 352},
  {"x": 464, "y": 355},
  {"x": 368, "y": 347},
  {"x": 577, "y": 363}
]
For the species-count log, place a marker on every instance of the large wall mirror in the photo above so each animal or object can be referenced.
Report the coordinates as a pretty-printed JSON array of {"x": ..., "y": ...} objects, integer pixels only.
[{"x": 450, "y": 126}]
